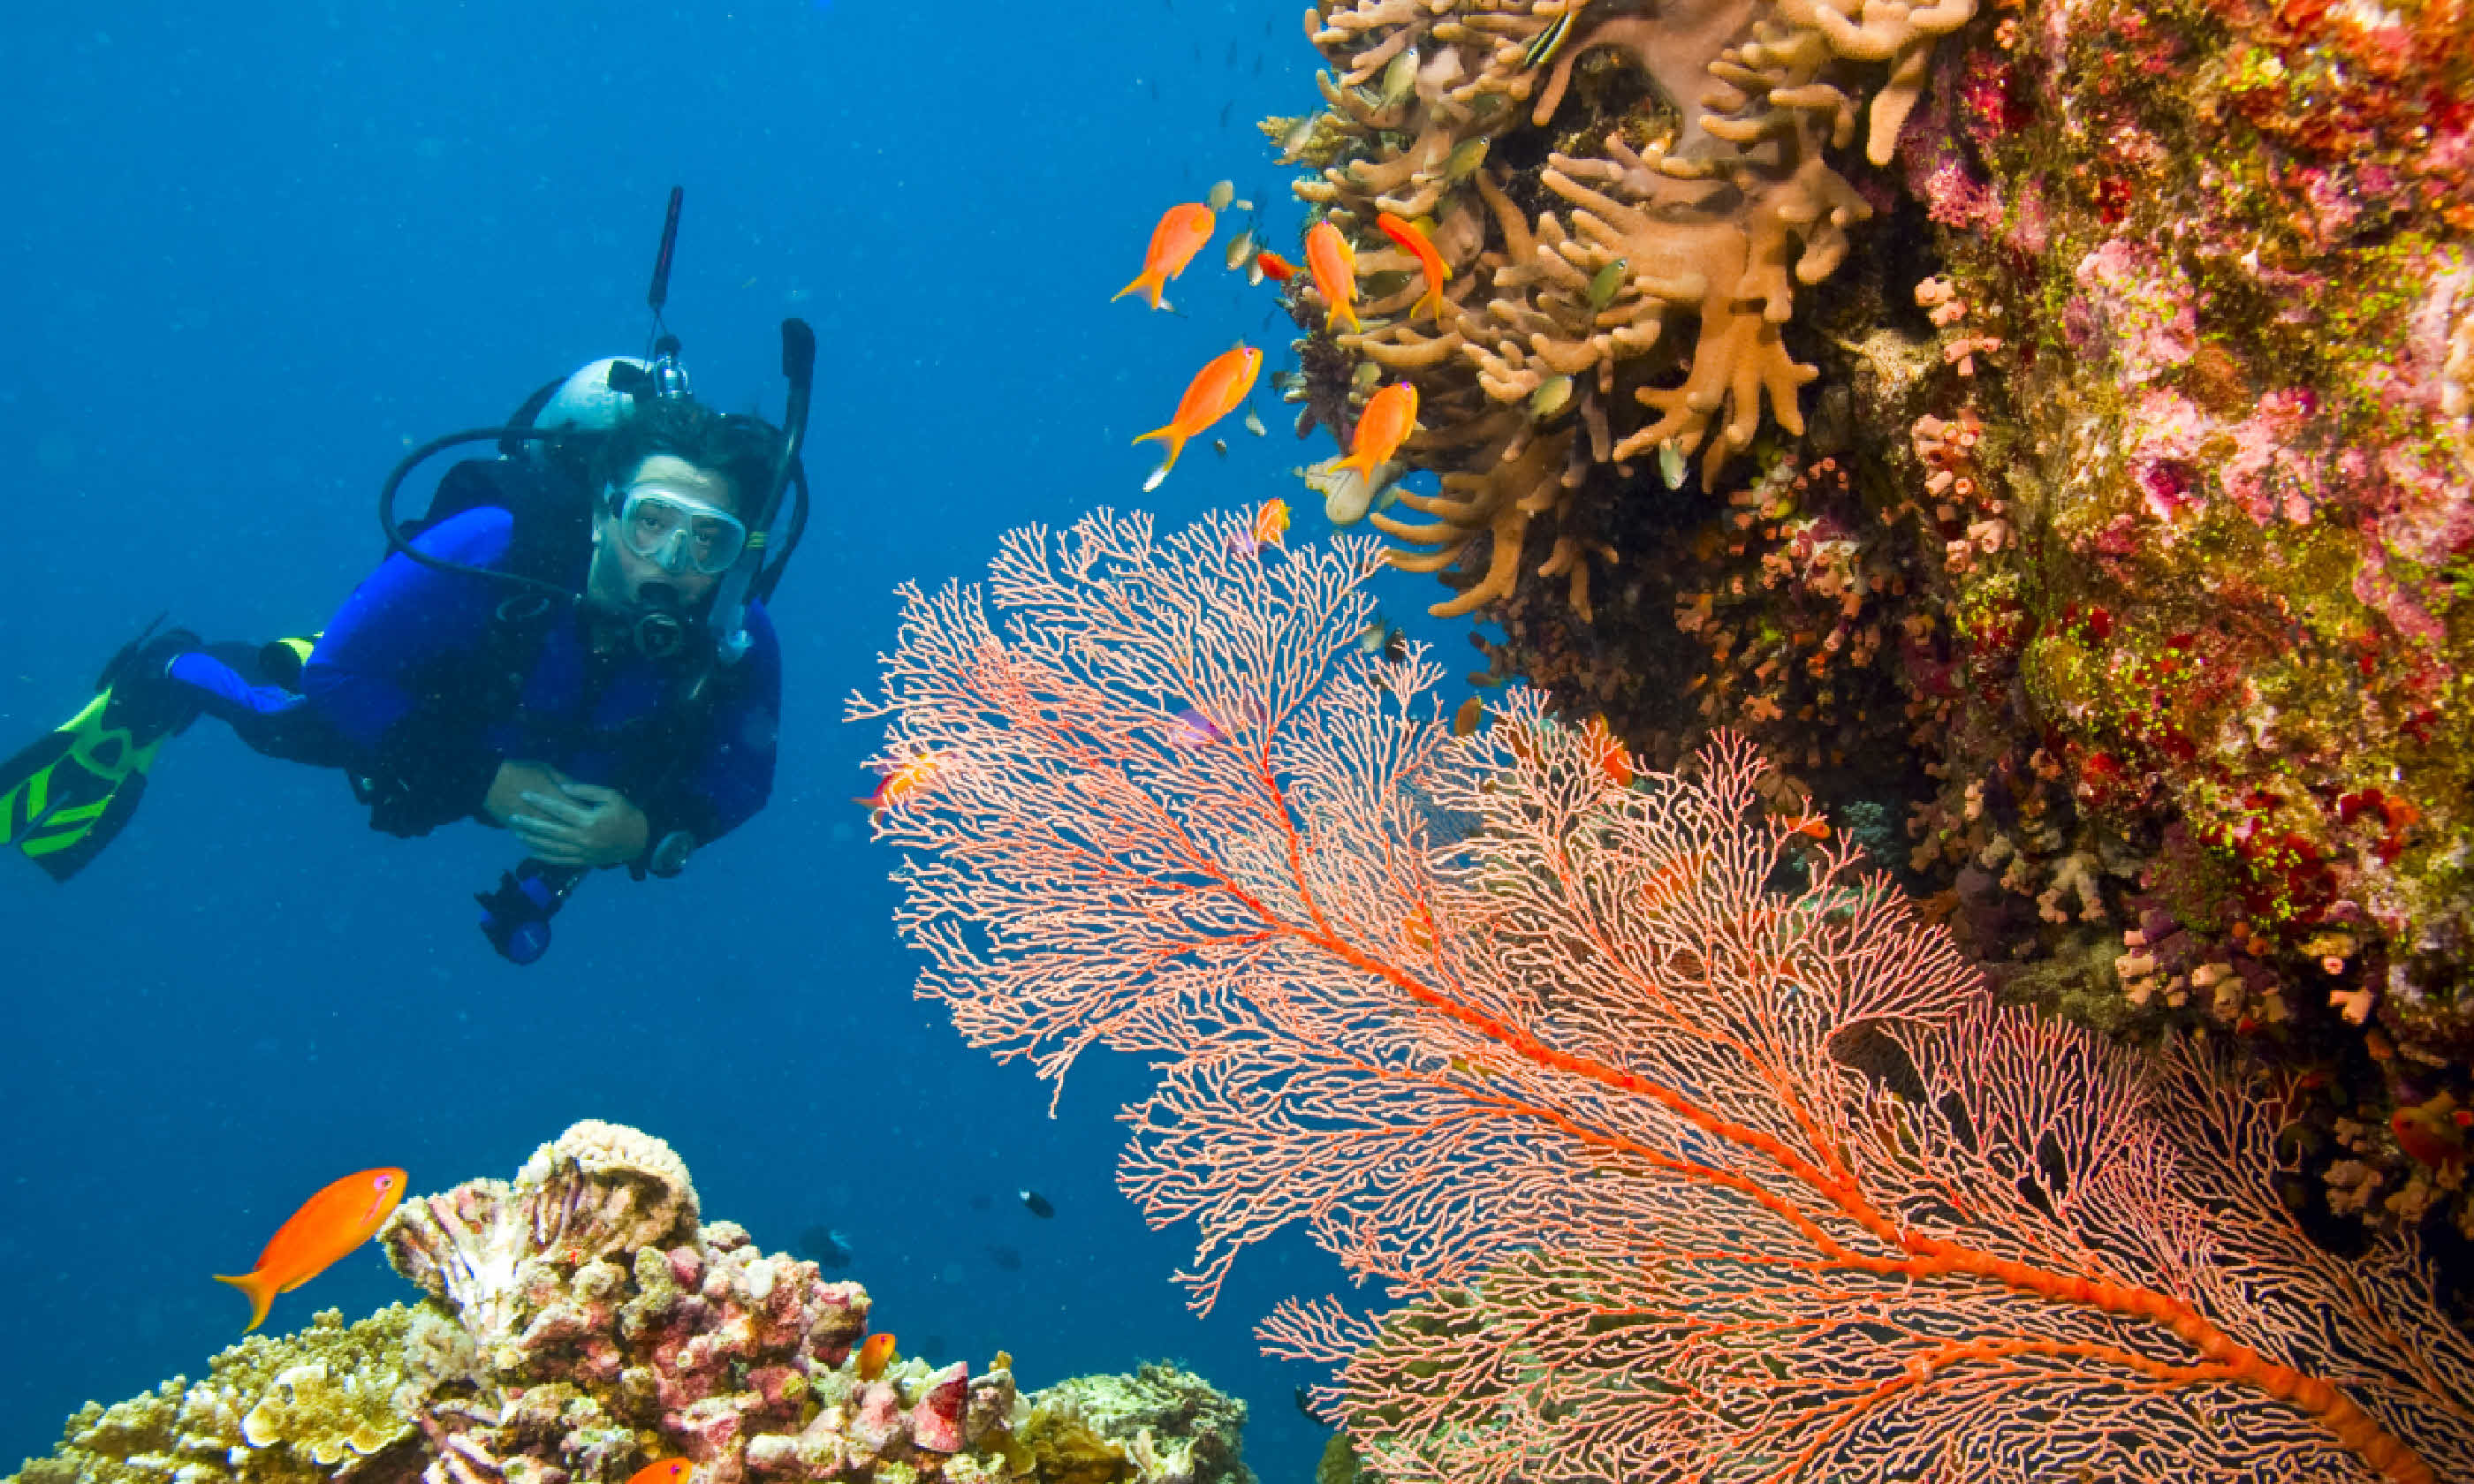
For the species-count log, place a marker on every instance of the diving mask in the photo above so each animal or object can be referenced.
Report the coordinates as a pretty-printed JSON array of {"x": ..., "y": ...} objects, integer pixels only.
[{"x": 676, "y": 531}]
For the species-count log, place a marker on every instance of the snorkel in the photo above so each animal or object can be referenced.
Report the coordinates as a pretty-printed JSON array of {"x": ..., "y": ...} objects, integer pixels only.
[{"x": 728, "y": 615}]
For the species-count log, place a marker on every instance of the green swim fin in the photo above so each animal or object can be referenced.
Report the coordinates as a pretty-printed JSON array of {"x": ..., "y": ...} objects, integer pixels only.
[{"x": 64, "y": 796}]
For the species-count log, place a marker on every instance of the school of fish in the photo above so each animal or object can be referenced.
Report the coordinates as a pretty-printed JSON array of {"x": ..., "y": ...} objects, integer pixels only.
[{"x": 1330, "y": 274}]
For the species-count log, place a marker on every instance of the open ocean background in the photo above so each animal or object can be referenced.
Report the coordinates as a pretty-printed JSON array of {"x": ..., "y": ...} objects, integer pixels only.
[{"x": 251, "y": 254}]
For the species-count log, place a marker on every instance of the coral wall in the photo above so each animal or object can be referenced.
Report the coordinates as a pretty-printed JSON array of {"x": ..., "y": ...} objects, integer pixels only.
[{"x": 2113, "y": 531}]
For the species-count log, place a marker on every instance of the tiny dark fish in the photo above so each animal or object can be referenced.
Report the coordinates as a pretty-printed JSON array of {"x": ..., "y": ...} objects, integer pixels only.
[
  {"x": 1154, "y": 87},
  {"x": 934, "y": 1345},
  {"x": 1197, "y": 53},
  {"x": 1258, "y": 64},
  {"x": 1037, "y": 1204},
  {"x": 982, "y": 1201},
  {"x": 1305, "y": 1405},
  {"x": 1224, "y": 111},
  {"x": 1232, "y": 52},
  {"x": 1006, "y": 1259},
  {"x": 826, "y": 1247}
]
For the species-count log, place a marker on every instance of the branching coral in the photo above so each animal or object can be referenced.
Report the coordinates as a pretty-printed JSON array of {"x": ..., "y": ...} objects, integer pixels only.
[
  {"x": 1599, "y": 172},
  {"x": 581, "y": 1322}
]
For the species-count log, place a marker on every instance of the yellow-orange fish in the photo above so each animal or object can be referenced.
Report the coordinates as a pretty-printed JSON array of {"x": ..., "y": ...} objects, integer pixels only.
[
  {"x": 1387, "y": 420},
  {"x": 1334, "y": 265},
  {"x": 1212, "y": 395},
  {"x": 1418, "y": 929},
  {"x": 1606, "y": 752},
  {"x": 1271, "y": 522},
  {"x": 662, "y": 1470},
  {"x": 901, "y": 782},
  {"x": 876, "y": 1354},
  {"x": 1181, "y": 232},
  {"x": 1429, "y": 261},
  {"x": 327, "y": 1226}
]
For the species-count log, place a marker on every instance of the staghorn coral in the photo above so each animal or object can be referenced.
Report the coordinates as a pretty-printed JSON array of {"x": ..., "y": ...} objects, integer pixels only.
[
  {"x": 582, "y": 1322},
  {"x": 1598, "y": 173}
]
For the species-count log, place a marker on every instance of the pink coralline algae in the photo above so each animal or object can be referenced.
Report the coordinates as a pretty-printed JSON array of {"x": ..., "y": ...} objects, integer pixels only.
[{"x": 2134, "y": 307}]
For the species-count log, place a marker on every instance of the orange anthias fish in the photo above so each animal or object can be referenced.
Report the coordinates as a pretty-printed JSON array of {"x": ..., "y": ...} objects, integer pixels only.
[
  {"x": 1271, "y": 522},
  {"x": 901, "y": 781},
  {"x": 1212, "y": 395},
  {"x": 1181, "y": 232},
  {"x": 662, "y": 1470},
  {"x": 876, "y": 1354},
  {"x": 1429, "y": 261},
  {"x": 327, "y": 1226},
  {"x": 1387, "y": 420},
  {"x": 1606, "y": 752},
  {"x": 1334, "y": 263},
  {"x": 1278, "y": 268}
]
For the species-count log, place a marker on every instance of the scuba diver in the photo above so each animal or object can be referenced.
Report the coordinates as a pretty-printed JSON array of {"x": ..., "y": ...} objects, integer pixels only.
[{"x": 570, "y": 645}]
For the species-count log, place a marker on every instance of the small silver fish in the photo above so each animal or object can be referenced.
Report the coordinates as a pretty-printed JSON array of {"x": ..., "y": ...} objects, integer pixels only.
[
  {"x": 1241, "y": 249},
  {"x": 1294, "y": 142},
  {"x": 1366, "y": 375},
  {"x": 1222, "y": 192},
  {"x": 1253, "y": 422},
  {"x": 1465, "y": 159}
]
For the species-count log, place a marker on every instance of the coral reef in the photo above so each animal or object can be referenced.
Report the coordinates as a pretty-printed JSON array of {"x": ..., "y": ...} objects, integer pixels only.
[
  {"x": 1598, "y": 175},
  {"x": 581, "y": 1322},
  {"x": 2121, "y": 536}
]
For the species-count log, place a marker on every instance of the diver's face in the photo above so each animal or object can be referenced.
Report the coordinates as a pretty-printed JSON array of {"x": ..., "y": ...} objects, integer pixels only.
[{"x": 618, "y": 574}]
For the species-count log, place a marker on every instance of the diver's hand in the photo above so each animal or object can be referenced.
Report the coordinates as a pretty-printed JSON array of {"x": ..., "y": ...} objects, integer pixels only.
[
  {"x": 514, "y": 779},
  {"x": 581, "y": 824}
]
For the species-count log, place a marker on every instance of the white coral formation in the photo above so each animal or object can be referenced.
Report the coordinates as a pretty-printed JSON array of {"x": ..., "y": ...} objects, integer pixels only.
[
  {"x": 1710, "y": 204},
  {"x": 599, "y": 1189}
]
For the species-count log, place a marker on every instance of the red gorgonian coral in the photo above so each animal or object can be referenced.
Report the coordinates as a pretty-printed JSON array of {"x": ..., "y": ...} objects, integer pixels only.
[{"x": 1688, "y": 1154}]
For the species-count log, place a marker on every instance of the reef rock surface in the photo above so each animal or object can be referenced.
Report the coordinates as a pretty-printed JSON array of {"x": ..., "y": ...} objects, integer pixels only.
[{"x": 582, "y": 1322}]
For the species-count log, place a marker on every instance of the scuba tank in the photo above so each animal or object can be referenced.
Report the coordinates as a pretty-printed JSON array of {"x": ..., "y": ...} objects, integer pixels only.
[{"x": 699, "y": 641}]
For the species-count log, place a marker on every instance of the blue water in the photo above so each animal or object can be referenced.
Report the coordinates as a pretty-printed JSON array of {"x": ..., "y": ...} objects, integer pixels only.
[{"x": 255, "y": 252}]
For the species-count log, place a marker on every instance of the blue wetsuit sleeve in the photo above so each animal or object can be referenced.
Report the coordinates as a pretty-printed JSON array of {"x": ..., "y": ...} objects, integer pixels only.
[
  {"x": 732, "y": 776},
  {"x": 379, "y": 670}
]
